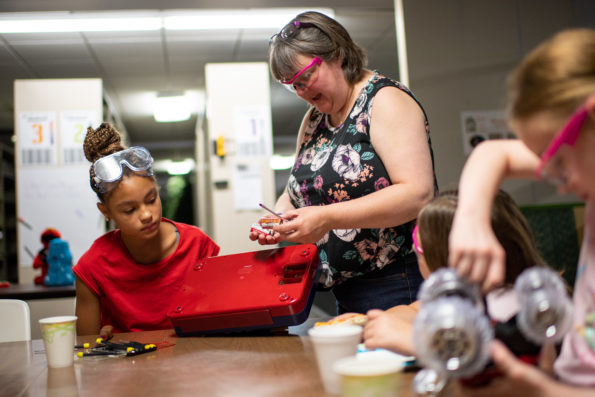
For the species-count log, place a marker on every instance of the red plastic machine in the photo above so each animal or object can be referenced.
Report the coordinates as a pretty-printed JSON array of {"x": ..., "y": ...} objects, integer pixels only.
[{"x": 248, "y": 291}]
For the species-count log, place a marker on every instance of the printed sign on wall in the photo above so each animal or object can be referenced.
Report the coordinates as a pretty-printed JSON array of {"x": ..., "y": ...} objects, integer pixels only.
[
  {"x": 73, "y": 128},
  {"x": 37, "y": 138},
  {"x": 481, "y": 125}
]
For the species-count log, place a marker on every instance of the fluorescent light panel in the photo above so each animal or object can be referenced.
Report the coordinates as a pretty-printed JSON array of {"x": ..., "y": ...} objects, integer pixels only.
[
  {"x": 171, "y": 108},
  {"x": 175, "y": 167},
  {"x": 264, "y": 18}
]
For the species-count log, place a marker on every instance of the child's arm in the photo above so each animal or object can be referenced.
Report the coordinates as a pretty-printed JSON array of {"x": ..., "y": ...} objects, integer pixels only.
[
  {"x": 87, "y": 310},
  {"x": 473, "y": 247},
  {"x": 520, "y": 379}
]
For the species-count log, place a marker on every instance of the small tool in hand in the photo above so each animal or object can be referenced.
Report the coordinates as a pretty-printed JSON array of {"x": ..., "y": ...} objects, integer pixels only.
[{"x": 271, "y": 211}]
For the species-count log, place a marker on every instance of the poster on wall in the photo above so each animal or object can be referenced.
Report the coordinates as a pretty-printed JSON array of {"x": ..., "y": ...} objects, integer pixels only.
[
  {"x": 478, "y": 126},
  {"x": 73, "y": 128},
  {"x": 253, "y": 133},
  {"x": 247, "y": 187},
  {"x": 37, "y": 139}
]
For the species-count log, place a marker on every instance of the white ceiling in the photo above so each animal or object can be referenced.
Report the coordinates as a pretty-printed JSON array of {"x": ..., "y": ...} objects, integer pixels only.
[{"x": 134, "y": 65}]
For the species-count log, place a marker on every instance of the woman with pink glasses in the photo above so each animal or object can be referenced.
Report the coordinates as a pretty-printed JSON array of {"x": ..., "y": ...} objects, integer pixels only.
[
  {"x": 363, "y": 168},
  {"x": 552, "y": 110}
]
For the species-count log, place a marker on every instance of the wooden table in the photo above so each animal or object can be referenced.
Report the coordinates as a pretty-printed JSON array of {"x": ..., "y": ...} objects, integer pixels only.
[{"x": 272, "y": 365}]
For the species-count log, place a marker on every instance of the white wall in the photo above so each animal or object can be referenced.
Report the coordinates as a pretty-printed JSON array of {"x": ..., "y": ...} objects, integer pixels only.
[
  {"x": 460, "y": 52},
  {"x": 41, "y": 308},
  {"x": 234, "y": 90}
]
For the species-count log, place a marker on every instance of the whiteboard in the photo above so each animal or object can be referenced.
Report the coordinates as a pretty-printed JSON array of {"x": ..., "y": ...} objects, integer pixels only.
[{"x": 58, "y": 197}]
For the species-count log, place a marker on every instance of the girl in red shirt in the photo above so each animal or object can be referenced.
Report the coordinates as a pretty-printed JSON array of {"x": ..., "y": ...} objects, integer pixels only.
[{"x": 125, "y": 280}]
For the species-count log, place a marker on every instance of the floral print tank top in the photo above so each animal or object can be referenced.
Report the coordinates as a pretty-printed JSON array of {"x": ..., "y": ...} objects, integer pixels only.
[{"x": 340, "y": 164}]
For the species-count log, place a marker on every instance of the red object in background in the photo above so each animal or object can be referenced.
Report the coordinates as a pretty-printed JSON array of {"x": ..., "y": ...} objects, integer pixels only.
[
  {"x": 4, "y": 284},
  {"x": 248, "y": 291},
  {"x": 40, "y": 260}
]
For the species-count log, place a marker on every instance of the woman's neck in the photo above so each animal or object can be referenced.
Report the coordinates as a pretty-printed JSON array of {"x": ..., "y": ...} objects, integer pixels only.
[
  {"x": 151, "y": 251},
  {"x": 350, "y": 93}
]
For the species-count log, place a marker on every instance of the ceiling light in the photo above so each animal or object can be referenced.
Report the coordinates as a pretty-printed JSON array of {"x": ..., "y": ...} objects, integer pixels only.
[
  {"x": 258, "y": 18},
  {"x": 142, "y": 20},
  {"x": 170, "y": 108},
  {"x": 79, "y": 22}
]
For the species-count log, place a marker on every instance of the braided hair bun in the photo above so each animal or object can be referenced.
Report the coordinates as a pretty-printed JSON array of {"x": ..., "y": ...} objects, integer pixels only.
[{"x": 101, "y": 142}]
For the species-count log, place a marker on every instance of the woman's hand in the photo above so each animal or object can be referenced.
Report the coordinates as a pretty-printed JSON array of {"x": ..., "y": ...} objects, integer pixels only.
[
  {"x": 265, "y": 239},
  {"x": 304, "y": 225},
  {"x": 390, "y": 330},
  {"x": 476, "y": 253}
]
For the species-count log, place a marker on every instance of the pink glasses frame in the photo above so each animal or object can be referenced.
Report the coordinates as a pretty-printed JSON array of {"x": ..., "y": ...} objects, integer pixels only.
[
  {"x": 567, "y": 135},
  {"x": 415, "y": 241},
  {"x": 315, "y": 61}
]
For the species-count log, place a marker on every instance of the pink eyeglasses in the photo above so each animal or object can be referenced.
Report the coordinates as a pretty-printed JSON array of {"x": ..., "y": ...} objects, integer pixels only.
[
  {"x": 304, "y": 77},
  {"x": 415, "y": 240},
  {"x": 550, "y": 167}
]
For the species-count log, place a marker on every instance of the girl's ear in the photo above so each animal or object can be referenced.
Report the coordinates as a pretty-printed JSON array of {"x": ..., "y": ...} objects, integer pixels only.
[{"x": 103, "y": 209}]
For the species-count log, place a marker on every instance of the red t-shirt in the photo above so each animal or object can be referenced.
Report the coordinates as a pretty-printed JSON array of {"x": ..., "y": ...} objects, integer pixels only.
[{"x": 133, "y": 296}]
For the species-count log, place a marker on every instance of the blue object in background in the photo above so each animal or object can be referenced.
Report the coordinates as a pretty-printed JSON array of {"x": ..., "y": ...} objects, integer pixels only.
[{"x": 59, "y": 261}]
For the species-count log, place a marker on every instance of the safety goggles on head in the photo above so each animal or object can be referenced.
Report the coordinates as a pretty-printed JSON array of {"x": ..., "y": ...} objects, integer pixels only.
[
  {"x": 416, "y": 244},
  {"x": 109, "y": 168},
  {"x": 290, "y": 30},
  {"x": 301, "y": 79},
  {"x": 550, "y": 167}
]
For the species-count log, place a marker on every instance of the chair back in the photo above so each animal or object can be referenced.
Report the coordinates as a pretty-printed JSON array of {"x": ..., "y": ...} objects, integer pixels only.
[{"x": 15, "y": 325}]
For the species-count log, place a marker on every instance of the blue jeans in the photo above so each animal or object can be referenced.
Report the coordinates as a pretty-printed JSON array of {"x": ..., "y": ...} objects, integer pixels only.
[{"x": 395, "y": 284}]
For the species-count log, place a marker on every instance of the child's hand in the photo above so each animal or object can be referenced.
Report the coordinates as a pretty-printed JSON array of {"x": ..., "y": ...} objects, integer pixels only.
[
  {"x": 389, "y": 330},
  {"x": 106, "y": 332},
  {"x": 518, "y": 378}
]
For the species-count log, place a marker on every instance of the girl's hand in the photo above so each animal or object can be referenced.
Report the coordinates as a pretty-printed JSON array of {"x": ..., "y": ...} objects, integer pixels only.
[
  {"x": 304, "y": 225},
  {"x": 517, "y": 379},
  {"x": 389, "y": 330},
  {"x": 476, "y": 253},
  {"x": 106, "y": 332}
]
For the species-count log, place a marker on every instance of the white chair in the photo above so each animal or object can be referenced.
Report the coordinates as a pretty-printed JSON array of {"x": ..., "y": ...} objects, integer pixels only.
[{"x": 15, "y": 325}]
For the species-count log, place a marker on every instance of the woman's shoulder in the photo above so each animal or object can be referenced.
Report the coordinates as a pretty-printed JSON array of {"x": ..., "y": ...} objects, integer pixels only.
[
  {"x": 393, "y": 91},
  {"x": 378, "y": 78}
]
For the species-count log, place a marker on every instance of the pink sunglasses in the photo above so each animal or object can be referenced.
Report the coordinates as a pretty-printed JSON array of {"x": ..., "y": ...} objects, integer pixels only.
[{"x": 550, "y": 170}]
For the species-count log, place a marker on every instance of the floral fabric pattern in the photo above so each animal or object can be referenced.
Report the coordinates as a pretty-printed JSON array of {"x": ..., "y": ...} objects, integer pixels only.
[{"x": 340, "y": 164}]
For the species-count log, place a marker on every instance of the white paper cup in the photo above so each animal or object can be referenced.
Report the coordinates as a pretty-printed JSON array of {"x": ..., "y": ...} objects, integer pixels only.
[
  {"x": 369, "y": 374},
  {"x": 58, "y": 337},
  {"x": 330, "y": 344}
]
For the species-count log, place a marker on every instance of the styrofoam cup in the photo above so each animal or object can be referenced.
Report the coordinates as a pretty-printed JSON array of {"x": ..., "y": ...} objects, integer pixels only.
[
  {"x": 330, "y": 344},
  {"x": 58, "y": 337}
]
